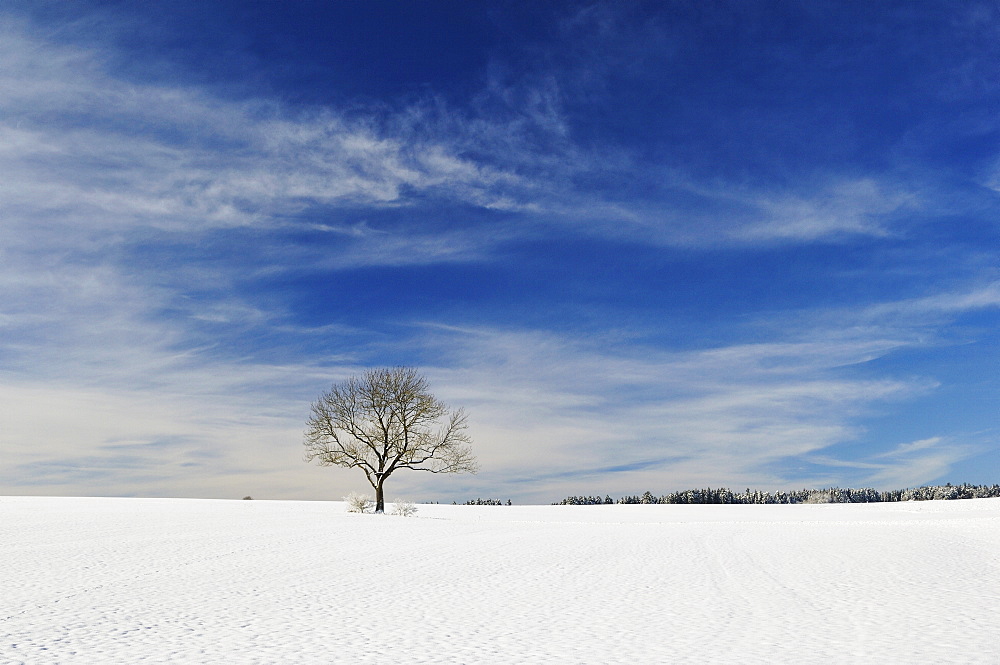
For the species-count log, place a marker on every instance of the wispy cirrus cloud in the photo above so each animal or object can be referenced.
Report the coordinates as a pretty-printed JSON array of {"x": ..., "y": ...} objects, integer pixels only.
[
  {"x": 125, "y": 155},
  {"x": 986, "y": 296},
  {"x": 611, "y": 418},
  {"x": 859, "y": 207},
  {"x": 909, "y": 464},
  {"x": 610, "y": 415},
  {"x": 89, "y": 153}
]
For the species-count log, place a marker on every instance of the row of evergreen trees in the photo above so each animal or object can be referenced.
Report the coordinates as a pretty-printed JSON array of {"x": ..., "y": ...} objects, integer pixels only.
[{"x": 831, "y": 495}]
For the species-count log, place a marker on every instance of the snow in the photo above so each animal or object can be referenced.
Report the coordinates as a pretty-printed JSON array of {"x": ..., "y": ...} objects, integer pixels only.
[{"x": 95, "y": 580}]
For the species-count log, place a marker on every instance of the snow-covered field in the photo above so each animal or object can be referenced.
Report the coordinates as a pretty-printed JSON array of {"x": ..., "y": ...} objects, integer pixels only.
[{"x": 199, "y": 581}]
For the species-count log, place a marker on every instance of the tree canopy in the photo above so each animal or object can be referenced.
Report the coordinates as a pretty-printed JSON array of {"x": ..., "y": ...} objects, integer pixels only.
[{"x": 386, "y": 420}]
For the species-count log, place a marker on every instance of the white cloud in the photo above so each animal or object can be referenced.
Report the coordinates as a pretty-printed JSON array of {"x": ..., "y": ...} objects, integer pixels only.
[
  {"x": 981, "y": 297},
  {"x": 841, "y": 208},
  {"x": 543, "y": 407},
  {"x": 566, "y": 413},
  {"x": 84, "y": 153},
  {"x": 550, "y": 414},
  {"x": 607, "y": 415},
  {"x": 86, "y": 157},
  {"x": 917, "y": 462}
]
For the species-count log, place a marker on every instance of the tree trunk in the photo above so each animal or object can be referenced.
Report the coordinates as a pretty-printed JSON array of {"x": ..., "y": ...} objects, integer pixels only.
[{"x": 379, "y": 498}]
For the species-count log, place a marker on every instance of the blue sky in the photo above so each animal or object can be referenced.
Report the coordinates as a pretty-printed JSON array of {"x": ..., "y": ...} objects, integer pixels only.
[{"x": 646, "y": 245}]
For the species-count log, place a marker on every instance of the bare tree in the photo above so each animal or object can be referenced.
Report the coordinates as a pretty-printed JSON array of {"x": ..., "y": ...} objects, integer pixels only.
[{"x": 384, "y": 421}]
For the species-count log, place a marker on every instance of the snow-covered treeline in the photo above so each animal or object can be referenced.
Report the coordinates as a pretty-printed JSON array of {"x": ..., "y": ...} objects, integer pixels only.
[
  {"x": 485, "y": 502},
  {"x": 830, "y": 495}
]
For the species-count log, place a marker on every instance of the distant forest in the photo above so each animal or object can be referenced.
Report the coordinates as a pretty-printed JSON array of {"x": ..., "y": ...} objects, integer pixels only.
[{"x": 832, "y": 495}]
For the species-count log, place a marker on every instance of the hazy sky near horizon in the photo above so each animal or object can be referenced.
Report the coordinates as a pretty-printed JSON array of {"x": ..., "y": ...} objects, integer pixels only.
[{"x": 646, "y": 245}]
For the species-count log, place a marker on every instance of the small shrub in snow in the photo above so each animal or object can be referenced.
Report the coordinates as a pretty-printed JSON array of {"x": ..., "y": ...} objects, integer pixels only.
[
  {"x": 358, "y": 503},
  {"x": 403, "y": 508}
]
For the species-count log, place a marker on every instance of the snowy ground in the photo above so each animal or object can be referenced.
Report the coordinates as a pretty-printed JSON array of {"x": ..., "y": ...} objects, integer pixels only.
[{"x": 194, "y": 581}]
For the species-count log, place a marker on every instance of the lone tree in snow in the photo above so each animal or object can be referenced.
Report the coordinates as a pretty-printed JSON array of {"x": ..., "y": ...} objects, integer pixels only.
[{"x": 384, "y": 421}]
